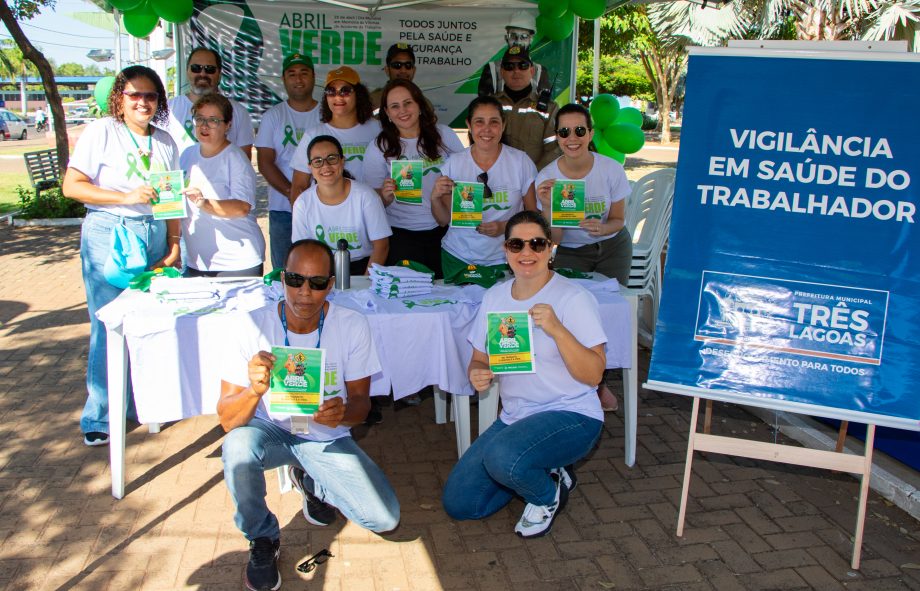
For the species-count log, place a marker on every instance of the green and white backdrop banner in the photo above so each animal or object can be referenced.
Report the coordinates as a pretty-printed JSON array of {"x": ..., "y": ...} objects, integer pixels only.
[{"x": 452, "y": 45}]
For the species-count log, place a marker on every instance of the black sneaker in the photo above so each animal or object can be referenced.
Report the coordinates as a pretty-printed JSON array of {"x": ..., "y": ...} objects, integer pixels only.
[
  {"x": 314, "y": 510},
  {"x": 567, "y": 474},
  {"x": 95, "y": 438},
  {"x": 374, "y": 415},
  {"x": 262, "y": 571}
]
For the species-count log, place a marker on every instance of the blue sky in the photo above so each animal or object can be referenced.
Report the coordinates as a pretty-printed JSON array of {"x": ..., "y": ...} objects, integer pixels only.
[{"x": 64, "y": 39}]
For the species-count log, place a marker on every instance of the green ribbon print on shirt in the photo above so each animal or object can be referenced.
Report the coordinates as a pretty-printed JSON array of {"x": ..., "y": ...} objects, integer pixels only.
[
  {"x": 289, "y": 139},
  {"x": 131, "y": 159},
  {"x": 429, "y": 303},
  {"x": 190, "y": 130},
  {"x": 335, "y": 236}
]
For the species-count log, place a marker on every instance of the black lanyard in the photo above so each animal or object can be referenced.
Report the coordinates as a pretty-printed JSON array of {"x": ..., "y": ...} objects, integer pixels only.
[{"x": 319, "y": 330}]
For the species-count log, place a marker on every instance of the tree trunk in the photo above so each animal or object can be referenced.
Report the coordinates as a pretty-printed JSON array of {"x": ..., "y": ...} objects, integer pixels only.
[{"x": 47, "y": 73}]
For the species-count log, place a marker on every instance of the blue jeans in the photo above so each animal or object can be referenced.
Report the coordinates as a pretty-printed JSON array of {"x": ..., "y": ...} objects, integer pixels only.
[
  {"x": 343, "y": 476},
  {"x": 95, "y": 245},
  {"x": 509, "y": 460},
  {"x": 279, "y": 236}
]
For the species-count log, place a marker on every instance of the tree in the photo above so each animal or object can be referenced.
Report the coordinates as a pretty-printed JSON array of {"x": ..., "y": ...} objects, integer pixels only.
[
  {"x": 13, "y": 65},
  {"x": 618, "y": 75},
  {"x": 10, "y": 14}
]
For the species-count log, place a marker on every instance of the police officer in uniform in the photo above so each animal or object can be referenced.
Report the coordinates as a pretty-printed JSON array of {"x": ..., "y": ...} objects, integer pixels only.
[{"x": 519, "y": 32}]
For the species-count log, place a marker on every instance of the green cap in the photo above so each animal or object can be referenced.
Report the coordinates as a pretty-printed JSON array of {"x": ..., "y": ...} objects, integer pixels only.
[
  {"x": 414, "y": 266},
  {"x": 295, "y": 59},
  {"x": 483, "y": 275}
]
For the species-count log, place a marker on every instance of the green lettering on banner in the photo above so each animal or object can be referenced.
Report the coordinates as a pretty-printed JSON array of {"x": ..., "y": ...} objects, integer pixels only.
[
  {"x": 291, "y": 41},
  {"x": 354, "y": 48},
  {"x": 373, "y": 48},
  {"x": 330, "y": 52}
]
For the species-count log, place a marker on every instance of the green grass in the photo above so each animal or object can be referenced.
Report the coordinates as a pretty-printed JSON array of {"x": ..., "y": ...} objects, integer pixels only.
[
  {"x": 9, "y": 198},
  {"x": 12, "y": 148}
]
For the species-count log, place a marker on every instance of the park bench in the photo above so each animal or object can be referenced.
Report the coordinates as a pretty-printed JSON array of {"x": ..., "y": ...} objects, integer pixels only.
[{"x": 44, "y": 171}]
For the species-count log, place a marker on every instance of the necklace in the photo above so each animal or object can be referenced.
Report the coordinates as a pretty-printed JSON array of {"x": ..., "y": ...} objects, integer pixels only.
[{"x": 144, "y": 154}]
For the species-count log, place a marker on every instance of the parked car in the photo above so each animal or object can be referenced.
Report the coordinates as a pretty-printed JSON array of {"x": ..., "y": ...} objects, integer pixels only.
[
  {"x": 16, "y": 127},
  {"x": 4, "y": 131}
]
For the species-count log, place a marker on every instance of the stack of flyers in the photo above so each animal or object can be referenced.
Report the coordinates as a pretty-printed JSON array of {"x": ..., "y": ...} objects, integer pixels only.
[
  {"x": 509, "y": 342},
  {"x": 408, "y": 177},
  {"x": 568, "y": 203},
  {"x": 466, "y": 205},
  {"x": 170, "y": 202},
  {"x": 297, "y": 381}
]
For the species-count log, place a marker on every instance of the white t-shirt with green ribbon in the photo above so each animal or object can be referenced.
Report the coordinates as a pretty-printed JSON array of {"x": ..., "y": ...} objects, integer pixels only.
[
  {"x": 281, "y": 130},
  {"x": 181, "y": 127},
  {"x": 354, "y": 142}
]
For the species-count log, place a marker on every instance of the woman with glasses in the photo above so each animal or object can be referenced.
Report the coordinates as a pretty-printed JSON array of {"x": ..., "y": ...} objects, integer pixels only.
[
  {"x": 108, "y": 172},
  {"x": 222, "y": 237},
  {"x": 549, "y": 419},
  {"x": 507, "y": 176},
  {"x": 347, "y": 115},
  {"x": 601, "y": 243},
  {"x": 410, "y": 132},
  {"x": 337, "y": 207}
]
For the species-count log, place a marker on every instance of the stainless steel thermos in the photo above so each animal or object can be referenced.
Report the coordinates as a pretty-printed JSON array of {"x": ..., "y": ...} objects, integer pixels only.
[{"x": 342, "y": 265}]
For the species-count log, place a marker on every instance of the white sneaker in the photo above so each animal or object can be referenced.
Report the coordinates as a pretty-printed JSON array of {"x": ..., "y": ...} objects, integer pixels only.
[{"x": 538, "y": 519}]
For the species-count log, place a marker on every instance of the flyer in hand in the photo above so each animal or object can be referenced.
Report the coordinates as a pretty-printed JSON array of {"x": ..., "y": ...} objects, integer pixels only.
[
  {"x": 466, "y": 205},
  {"x": 509, "y": 340},
  {"x": 408, "y": 177},
  {"x": 568, "y": 203},
  {"x": 297, "y": 381},
  {"x": 170, "y": 202}
]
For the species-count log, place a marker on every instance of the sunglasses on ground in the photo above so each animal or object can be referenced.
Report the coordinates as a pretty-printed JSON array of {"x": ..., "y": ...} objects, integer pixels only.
[
  {"x": 136, "y": 96},
  {"x": 197, "y": 68},
  {"x": 520, "y": 65},
  {"x": 331, "y": 160},
  {"x": 401, "y": 65},
  {"x": 311, "y": 563},
  {"x": 344, "y": 91},
  {"x": 565, "y": 132},
  {"x": 536, "y": 244},
  {"x": 316, "y": 282}
]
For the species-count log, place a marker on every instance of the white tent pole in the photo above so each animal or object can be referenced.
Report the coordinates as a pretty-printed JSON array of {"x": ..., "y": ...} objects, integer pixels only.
[
  {"x": 597, "y": 57},
  {"x": 117, "y": 41},
  {"x": 573, "y": 91}
]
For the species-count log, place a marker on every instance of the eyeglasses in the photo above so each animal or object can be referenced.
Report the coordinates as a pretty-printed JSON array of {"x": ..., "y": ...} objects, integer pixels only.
[
  {"x": 331, "y": 160},
  {"x": 139, "y": 96},
  {"x": 521, "y": 65},
  {"x": 343, "y": 91},
  {"x": 316, "y": 282},
  {"x": 209, "y": 122},
  {"x": 486, "y": 190},
  {"x": 311, "y": 563},
  {"x": 536, "y": 244},
  {"x": 565, "y": 132},
  {"x": 400, "y": 65},
  {"x": 197, "y": 68}
]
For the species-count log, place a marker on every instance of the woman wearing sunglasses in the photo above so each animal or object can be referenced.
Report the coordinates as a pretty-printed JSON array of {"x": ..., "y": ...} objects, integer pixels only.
[
  {"x": 347, "y": 115},
  {"x": 507, "y": 175},
  {"x": 410, "y": 132},
  {"x": 551, "y": 418},
  {"x": 338, "y": 207},
  {"x": 222, "y": 237},
  {"x": 108, "y": 172},
  {"x": 601, "y": 243}
]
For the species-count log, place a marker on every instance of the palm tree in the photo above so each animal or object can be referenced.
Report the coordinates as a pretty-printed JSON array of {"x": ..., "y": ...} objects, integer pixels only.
[{"x": 13, "y": 65}]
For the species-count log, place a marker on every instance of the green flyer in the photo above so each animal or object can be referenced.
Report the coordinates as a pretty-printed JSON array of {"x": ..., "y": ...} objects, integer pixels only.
[
  {"x": 408, "y": 177},
  {"x": 568, "y": 203},
  {"x": 170, "y": 202},
  {"x": 466, "y": 205},
  {"x": 509, "y": 340},
  {"x": 297, "y": 380}
]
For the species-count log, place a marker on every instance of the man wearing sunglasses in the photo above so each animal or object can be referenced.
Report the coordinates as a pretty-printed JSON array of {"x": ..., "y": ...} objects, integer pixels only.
[
  {"x": 279, "y": 133},
  {"x": 529, "y": 120},
  {"x": 519, "y": 32},
  {"x": 203, "y": 70},
  {"x": 325, "y": 464},
  {"x": 400, "y": 63}
]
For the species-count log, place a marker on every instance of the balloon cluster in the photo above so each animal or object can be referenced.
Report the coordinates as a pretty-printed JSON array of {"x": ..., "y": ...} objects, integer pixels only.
[
  {"x": 140, "y": 17},
  {"x": 556, "y": 19},
  {"x": 617, "y": 131}
]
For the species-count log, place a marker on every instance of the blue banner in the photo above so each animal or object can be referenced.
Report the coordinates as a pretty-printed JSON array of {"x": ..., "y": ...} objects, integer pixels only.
[{"x": 793, "y": 277}]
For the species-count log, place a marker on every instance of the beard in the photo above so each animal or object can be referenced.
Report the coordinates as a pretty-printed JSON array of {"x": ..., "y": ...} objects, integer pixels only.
[{"x": 201, "y": 90}]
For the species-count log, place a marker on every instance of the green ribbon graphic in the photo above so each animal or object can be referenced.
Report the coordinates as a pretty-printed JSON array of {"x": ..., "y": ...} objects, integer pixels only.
[
  {"x": 132, "y": 167},
  {"x": 190, "y": 130},
  {"x": 289, "y": 136},
  {"x": 320, "y": 233}
]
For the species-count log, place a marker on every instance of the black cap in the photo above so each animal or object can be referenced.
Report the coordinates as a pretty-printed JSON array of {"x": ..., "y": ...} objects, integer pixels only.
[
  {"x": 398, "y": 48},
  {"x": 516, "y": 52}
]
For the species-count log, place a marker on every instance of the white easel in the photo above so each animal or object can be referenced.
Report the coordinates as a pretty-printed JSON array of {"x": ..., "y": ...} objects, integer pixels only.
[{"x": 786, "y": 454}]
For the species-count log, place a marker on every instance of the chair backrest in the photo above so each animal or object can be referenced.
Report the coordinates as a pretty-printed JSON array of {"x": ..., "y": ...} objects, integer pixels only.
[
  {"x": 42, "y": 166},
  {"x": 646, "y": 203}
]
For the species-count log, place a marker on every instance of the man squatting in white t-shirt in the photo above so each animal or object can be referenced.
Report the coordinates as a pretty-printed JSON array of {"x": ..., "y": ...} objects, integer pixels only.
[{"x": 325, "y": 464}]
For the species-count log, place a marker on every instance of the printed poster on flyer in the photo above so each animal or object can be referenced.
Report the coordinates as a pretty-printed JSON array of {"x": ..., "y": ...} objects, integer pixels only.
[
  {"x": 408, "y": 177},
  {"x": 568, "y": 203},
  {"x": 170, "y": 202},
  {"x": 297, "y": 380},
  {"x": 509, "y": 340},
  {"x": 466, "y": 205}
]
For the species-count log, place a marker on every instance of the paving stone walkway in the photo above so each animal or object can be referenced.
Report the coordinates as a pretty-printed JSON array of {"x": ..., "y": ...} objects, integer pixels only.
[{"x": 750, "y": 525}]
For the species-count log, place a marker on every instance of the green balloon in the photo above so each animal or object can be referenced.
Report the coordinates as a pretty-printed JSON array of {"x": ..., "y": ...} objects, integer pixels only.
[
  {"x": 604, "y": 110},
  {"x": 556, "y": 29},
  {"x": 628, "y": 139},
  {"x": 141, "y": 21},
  {"x": 601, "y": 144},
  {"x": 630, "y": 116},
  {"x": 552, "y": 9},
  {"x": 101, "y": 93},
  {"x": 588, "y": 9},
  {"x": 125, "y": 5},
  {"x": 173, "y": 11}
]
